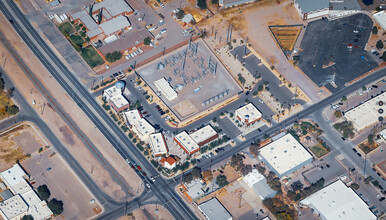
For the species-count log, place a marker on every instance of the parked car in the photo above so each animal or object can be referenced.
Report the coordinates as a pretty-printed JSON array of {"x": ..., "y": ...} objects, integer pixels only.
[{"x": 381, "y": 199}]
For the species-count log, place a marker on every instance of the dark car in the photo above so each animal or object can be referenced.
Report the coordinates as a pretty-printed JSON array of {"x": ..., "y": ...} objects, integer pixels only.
[
  {"x": 247, "y": 93},
  {"x": 144, "y": 113},
  {"x": 144, "y": 174},
  {"x": 355, "y": 150},
  {"x": 343, "y": 138},
  {"x": 381, "y": 199},
  {"x": 374, "y": 86},
  {"x": 359, "y": 155}
]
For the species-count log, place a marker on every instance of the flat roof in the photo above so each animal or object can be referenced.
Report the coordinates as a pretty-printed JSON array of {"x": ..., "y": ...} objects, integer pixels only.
[
  {"x": 126, "y": 41},
  {"x": 164, "y": 87},
  {"x": 115, "y": 24},
  {"x": 144, "y": 128},
  {"x": 258, "y": 183},
  {"x": 380, "y": 17},
  {"x": 367, "y": 113},
  {"x": 186, "y": 141},
  {"x": 14, "y": 178},
  {"x": 112, "y": 91},
  {"x": 194, "y": 189},
  {"x": 310, "y": 5},
  {"x": 214, "y": 210},
  {"x": 119, "y": 101},
  {"x": 113, "y": 7},
  {"x": 253, "y": 177},
  {"x": 36, "y": 207},
  {"x": 157, "y": 142},
  {"x": 230, "y": 3},
  {"x": 250, "y": 111},
  {"x": 203, "y": 134},
  {"x": 285, "y": 154},
  {"x": 13, "y": 207},
  {"x": 337, "y": 201},
  {"x": 133, "y": 116}
]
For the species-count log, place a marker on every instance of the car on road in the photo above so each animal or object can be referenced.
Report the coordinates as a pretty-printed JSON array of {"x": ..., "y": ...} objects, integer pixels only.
[
  {"x": 139, "y": 168},
  {"x": 152, "y": 179},
  {"x": 147, "y": 185},
  {"x": 144, "y": 174}
]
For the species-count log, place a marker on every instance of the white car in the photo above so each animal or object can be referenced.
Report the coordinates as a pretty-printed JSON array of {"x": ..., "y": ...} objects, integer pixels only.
[
  {"x": 127, "y": 57},
  {"x": 261, "y": 101},
  {"x": 107, "y": 66}
]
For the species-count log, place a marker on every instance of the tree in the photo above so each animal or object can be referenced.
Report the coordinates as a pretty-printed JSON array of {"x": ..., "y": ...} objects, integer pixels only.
[
  {"x": 379, "y": 44},
  {"x": 222, "y": 181},
  {"x": 12, "y": 110},
  {"x": 207, "y": 175},
  {"x": 1, "y": 83},
  {"x": 196, "y": 172},
  {"x": 44, "y": 192},
  {"x": 27, "y": 217},
  {"x": 201, "y": 4},
  {"x": 344, "y": 98},
  {"x": 180, "y": 14},
  {"x": 370, "y": 138},
  {"x": 260, "y": 88},
  {"x": 147, "y": 41},
  {"x": 384, "y": 56},
  {"x": 56, "y": 206},
  {"x": 364, "y": 88},
  {"x": 254, "y": 149},
  {"x": 214, "y": 2},
  {"x": 374, "y": 30},
  {"x": 338, "y": 114},
  {"x": 241, "y": 78},
  {"x": 117, "y": 55}
]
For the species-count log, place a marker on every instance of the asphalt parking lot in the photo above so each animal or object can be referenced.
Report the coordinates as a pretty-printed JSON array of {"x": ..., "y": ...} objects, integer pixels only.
[
  {"x": 340, "y": 41},
  {"x": 282, "y": 93}
]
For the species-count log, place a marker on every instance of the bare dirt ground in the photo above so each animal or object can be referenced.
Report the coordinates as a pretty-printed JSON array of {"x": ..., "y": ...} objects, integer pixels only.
[
  {"x": 251, "y": 22},
  {"x": 59, "y": 127},
  {"x": 149, "y": 212},
  {"x": 15, "y": 143}
]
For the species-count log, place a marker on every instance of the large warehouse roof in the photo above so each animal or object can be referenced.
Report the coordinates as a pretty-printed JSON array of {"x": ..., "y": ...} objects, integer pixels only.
[
  {"x": 285, "y": 155},
  {"x": 113, "y": 7},
  {"x": 309, "y": 5},
  {"x": 380, "y": 17},
  {"x": 164, "y": 87},
  {"x": 337, "y": 201},
  {"x": 214, "y": 210},
  {"x": 202, "y": 135},
  {"x": 115, "y": 24},
  {"x": 367, "y": 113}
]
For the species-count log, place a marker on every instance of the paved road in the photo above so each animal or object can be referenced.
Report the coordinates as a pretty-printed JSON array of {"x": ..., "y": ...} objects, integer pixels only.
[{"x": 167, "y": 196}]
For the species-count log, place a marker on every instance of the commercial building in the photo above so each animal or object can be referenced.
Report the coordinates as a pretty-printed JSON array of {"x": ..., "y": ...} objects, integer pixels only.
[
  {"x": 368, "y": 113},
  {"x": 214, "y": 210},
  {"x": 142, "y": 128},
  {"x": 204, "y": 135},
  {"x": 259, "y": 184},
  {"x": 104, "y": 20},
  {"x": 158, "y": 144},
  {"x": 186, "y": 143},
  {"x": 111, "y": 92},
  {"x": 166, "y": 90},
  {"x": 119, "y": 103},
  {"x": 337, "y": 201},
  {"x": 312, "y": 9},
  {"x": 127, "y": 42},
  {"x": 168, "y": 162},
  {"x": 22, "y": 199},
  {"x": 333, "y": 8},
  {"x": 232, "y": 3},
  {"x": 248, "y": 114},
  {"x": 193, "y": 189},
  {"x": 285, "y": 155},
  {"x": 383, "y": 133},
  {"x": 380, "y": 18}
]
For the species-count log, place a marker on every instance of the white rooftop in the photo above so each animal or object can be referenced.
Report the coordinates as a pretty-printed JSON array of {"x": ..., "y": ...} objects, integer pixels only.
[
  {"x": 253, "y": 177},
  {"x": 249, "y": 112},
  {"x": 14, "y": 178},
  {"x": 285, "y": 154},
  {"x": 203, "y": 134},
  {"x": 367, "y": 113},
  {"x": 337, "y": 201},
  {"x": 164, "y": 87},
  {"x": 14, "y": 208},
  {"x": 115, "y": 24},
  {"x": 157, "y": 142},
  {"x": 111, "y": 92},
  {"x": 380, "y": 17},
  {"x": 143, "y": 128},
  {"x": 133, "y": 116},
  {"x": 37, "y": 208},
  {"x": 113, "y": 7},
  {"x": 186, "y": 141},
  {"x": 119, "y": 101},
  {"x": 214, "y": 210}
]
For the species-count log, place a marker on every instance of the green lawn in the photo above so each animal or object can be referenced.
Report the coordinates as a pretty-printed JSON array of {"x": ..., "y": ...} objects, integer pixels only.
[
  {"x": 319, "y": 150},
  {"x": 66, "y": 28},
  {"x": 90, "y": 55}
]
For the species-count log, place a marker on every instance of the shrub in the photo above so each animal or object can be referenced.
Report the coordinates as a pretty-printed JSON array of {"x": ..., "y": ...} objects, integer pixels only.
[
  {"x": 214, "y": 2},
  {"x": 201, "y": 4},
  {"x": 374, "y": 30},
  {"x": 147, "y": 40},
  {"x": 12, "y": 110},
  {"x": 44, "y": 192},
  {"x": 379, "y": 44},
  {"x": 222, "y": 181},
  {"x": 27, "y": 217},
  {"x": 56, "y": 206}
]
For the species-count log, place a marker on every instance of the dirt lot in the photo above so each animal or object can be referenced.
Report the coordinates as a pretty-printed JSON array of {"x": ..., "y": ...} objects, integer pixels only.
[
  {"x": 149, "y": 212},
  {"x": 16, "y": 143},
  {"x": 75, "y": 146}
]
